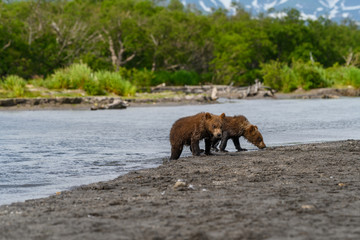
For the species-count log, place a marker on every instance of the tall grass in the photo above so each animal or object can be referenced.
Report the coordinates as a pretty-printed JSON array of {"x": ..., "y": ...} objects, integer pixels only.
[
  {"x": 113, "y": 82},
  {"x": 344, "y": 76},
  {"x": 72, "y": 77},
  {"x": 15, "y": 86},
  {"x": 80, "y": 76}
]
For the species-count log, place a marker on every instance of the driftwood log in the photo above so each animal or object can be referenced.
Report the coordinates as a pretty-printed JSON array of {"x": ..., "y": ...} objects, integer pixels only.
[{"x": 215, "y": 91}]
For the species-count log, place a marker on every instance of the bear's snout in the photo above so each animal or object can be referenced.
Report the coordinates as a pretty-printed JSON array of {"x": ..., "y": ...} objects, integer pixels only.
[
  {"x": 262, "y": 145},
  {"x": 219, "y": 135}
]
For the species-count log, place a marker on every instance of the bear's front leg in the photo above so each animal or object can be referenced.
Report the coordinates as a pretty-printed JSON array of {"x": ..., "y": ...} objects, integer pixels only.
[
  {"x": 214, "y": 143},
  {"x": 207, "y": 146},
  {"x": 195, "y": 149}
]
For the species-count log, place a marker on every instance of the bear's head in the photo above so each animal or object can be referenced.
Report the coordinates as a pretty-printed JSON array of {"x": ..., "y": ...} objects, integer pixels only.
[
  {"x": 253, "y": 135},
  {"x": 214, "y": 124}
]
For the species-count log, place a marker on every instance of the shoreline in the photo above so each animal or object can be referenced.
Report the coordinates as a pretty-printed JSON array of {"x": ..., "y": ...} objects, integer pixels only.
[
  {"x": 116, "y": 102},
  {"x": 96, "y": 103},
  {"x": 307, "y": 191}
]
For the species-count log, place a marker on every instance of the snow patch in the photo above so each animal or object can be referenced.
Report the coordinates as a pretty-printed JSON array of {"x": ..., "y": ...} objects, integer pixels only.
[
  {"x": 278, "y": 15},
  {"x": 332, "y": 3},
  {"x": 352, "y": 8},
  {"x": 226, "y": 3},
  {"x": 206, "y": 8},
  {"x": 214, "y": 2},
  {"x": 305, "y": 16},
  {"x": 267, "y": 6},
  {"x": 333, "y": 13},
  {"x": 255, "y": 4},
  {"x": 282, "y": 1}
]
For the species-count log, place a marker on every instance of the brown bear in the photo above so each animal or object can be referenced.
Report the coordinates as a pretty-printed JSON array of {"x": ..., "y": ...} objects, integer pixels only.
[
  {"x": 190, "y": 130},
  {"x": 234, "y": 128}
]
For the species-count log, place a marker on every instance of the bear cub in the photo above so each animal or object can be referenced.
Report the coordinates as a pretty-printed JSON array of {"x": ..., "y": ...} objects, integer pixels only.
[
  {"x": 190, "y": 130},
  {"x": 234, "y": 128}
]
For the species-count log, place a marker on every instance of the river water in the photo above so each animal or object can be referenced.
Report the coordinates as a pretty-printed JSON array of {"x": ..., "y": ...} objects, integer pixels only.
[{"x": 43, "y": 152}]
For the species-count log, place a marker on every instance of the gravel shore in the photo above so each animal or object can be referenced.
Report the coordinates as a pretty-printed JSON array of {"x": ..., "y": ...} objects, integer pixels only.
[{"x": 309, "y": 191}]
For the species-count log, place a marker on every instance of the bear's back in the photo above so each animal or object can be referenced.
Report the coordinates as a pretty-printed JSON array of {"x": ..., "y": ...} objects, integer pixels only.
[{"x": 184, "y": 127}]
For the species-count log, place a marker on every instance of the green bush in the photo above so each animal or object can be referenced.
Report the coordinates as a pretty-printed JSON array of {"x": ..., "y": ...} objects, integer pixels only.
[
  {"x": 180, "y": 78},
  {"x": 139, "y": 77},
  {"x": 272, "y": 74},
  {"x": 344, "y": 76},
  {"x": 206, "y": 78},
  {"x": 38, "y": 81},
  {"x": 113, "y": 82},
  {"x": 72, "y": 77},
  {"x": 183, "y": 77},
  {"x": 353, "y": 76},
  {"x": 95, "y": 62},
  {"x": 142, "y": 78},
  {"x": 161, "y": 77},
  {"x": 281, "y": 77},
  {"x": 15, "y": 85},
  {"x": 309, "y": 75},
  {"x": 93, "y": 88}
]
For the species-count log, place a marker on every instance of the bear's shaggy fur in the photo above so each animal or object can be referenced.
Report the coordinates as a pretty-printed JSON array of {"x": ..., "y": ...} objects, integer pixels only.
[
  {"x": 190, "y": 130},
  {"x": 234, "y": 128}
]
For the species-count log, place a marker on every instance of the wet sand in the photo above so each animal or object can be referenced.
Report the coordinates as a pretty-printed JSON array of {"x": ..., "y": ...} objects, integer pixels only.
[{"x": 309, "y": 191}]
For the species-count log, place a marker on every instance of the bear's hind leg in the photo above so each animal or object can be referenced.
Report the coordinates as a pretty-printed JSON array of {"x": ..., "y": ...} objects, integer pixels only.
[
  {"x": 176, "y": 152},
  {"x": 224, "y": 139},
  {"x": 237, "y": 144}
]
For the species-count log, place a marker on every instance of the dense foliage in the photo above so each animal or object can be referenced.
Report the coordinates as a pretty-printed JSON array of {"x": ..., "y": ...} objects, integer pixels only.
[{"x": 148, "y": 42}]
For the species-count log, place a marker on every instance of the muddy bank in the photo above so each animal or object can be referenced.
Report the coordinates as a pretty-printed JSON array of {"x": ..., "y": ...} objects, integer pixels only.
[
  {"x": 324, "y": 93},
  {"x": 98, "y": 103},
  {"x": 63, "y": 103},
  {"x": 307, "y": 191}
]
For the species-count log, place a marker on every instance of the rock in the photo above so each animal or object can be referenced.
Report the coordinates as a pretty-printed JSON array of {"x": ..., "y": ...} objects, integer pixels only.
[
  {"x": 180, "y": 185},
  {"x": 307, "y": 207},
  {"x": 329, "y": 96},
  {"x": 7, "y": 102},
  {"x": 189, "y": 97},
  {"x": 118, "y": 104},
  {"x": 102, "y": 103}
]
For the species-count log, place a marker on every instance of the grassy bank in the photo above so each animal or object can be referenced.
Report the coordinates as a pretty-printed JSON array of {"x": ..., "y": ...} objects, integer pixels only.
[{"x": 80, "y": 80}]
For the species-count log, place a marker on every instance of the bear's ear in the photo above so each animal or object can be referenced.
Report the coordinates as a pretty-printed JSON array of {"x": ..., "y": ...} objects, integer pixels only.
[
  {"x": 222, "y": 115},
  {"x": 251, "y": 128},
  {"x": 256, "y": 128},
  {"x": 207, "y": 115}
]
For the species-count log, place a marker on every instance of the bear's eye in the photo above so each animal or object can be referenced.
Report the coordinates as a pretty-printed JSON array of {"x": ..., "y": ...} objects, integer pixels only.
[{"x": 214, "y": 126}]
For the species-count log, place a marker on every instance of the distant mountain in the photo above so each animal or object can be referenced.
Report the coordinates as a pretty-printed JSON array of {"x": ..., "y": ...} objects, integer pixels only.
[{"x": 310, "y": 9}]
